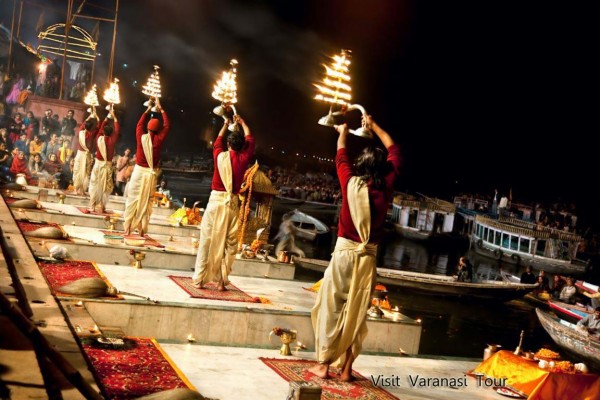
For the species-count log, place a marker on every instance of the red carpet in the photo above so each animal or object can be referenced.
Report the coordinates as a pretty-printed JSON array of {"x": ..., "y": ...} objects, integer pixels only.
[
  {"x": 58, "y": 274},
  {"x": 133, "y": 372},
  {"x": 106, "y": 213},
  {"x": 210, "y": 292},
  {"x": 149, "y": 240},
  {"x": 332, "y": 388}
]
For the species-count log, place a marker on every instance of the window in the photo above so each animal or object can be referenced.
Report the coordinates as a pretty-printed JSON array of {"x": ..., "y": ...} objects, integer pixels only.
[
  {"x": 524, "y": 245},
  {"x": 514, "y": 243},
  {"x": 498, "y": 237},
  {"x": 505, "y": 240},
  {"x": 540, "y": 248}
]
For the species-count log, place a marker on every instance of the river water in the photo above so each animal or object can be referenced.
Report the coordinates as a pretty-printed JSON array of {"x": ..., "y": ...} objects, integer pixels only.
[{"x": 451, "y": 327}]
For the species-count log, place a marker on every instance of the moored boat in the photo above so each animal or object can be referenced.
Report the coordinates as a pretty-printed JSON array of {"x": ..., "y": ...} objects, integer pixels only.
[
  {"x": 571, "y": 339},
  {"x": 517, "y": 241},
  {"x": 421, "y": 217},
  {"x": 436, "y": 284},
  {"x": 307, "y": 227},
  {"x": 568, "y": 312}
]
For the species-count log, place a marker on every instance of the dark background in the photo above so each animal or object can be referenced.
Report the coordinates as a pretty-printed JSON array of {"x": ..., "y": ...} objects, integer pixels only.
[{"x": 480, "y": 95}]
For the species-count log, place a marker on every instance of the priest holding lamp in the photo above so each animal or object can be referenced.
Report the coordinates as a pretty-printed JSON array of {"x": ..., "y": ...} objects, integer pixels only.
[{"x": 150, "y": 137}]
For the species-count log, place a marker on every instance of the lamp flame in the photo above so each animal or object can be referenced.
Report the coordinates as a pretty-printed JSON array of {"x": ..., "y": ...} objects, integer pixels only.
[
  {"x": 335, "y": 88},
  {"x": 225, "y": 89},
  {"x": 152, "y": 87},
  {"x": 111, "y": 95},
  {"x": 91, "y": 98}
]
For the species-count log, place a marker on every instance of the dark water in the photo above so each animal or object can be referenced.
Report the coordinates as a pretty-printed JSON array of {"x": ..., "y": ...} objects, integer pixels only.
[{"x": 451, "y": 327}]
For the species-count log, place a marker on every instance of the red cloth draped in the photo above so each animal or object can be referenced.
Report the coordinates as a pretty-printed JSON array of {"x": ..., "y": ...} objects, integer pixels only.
[{"x": 19, "y": 166}]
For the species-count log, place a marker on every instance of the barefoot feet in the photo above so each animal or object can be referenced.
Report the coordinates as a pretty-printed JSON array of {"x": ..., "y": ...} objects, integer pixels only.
[{"x": 320, "y": 370}]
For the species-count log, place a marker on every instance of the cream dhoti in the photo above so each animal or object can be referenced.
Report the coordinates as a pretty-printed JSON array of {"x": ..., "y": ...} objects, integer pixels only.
[
  {"x": 218, "y": 230},
  {"x": 80, "y": 167},
  {"x": 340, "y": 312},
  {"x": 101, "y": 180}
]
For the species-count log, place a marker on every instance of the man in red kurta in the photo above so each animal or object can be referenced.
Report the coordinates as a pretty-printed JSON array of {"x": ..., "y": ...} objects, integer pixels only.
[
  {"x": 339, "y": 314},
  {"x": 101, "y": 180},
  {"x": 83, "y": 158},
  {"x": 218, "y": 229},
  {"x": 149, "y": 138}
]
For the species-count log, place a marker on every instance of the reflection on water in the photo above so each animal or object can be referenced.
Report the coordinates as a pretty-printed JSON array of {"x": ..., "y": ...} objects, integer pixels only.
[{"x": 451, "y": 326}]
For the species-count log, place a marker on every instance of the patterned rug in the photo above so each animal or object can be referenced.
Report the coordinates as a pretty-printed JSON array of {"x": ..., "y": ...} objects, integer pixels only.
[
  {"x": 210, "y": 292},
  {"x": 139, "y": 369},
  {"x": 149, "y": 240},
  {"x": 59, "y": 273},
  {"x": 332, "y": 388},
  {"x": 106, "y": 213}
]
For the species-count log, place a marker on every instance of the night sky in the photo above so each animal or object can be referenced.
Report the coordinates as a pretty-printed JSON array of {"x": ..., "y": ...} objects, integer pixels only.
[{"x": 480, "y": 95}]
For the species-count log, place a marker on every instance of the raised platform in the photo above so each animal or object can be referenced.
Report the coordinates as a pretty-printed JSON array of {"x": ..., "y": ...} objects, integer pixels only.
[
  {"x": 178, "y": 254},
  {"x": 66, "y": 214},
  {"x": 53, "y": 196},
  {"x": 178, "y": 315}
]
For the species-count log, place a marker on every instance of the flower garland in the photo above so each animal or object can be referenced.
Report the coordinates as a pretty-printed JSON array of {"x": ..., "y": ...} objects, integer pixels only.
[{"x": 245, "y": 201}]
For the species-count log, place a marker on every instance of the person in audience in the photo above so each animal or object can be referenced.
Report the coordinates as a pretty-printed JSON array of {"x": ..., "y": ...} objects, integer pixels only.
[
  {"x": 19, "y": 165},
  {"x": 465, "y": 270},
  {"x": 528, "y": 276},
  {"x": 567, "y": 294},
  {"x": 591, "y": 323}
]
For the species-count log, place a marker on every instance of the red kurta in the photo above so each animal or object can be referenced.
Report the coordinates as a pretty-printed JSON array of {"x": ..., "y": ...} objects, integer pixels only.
[
  {"x": 239, "y": 163},
  {"x": 157, "y": 140},
  {"x": 89, "y": 138},
  {"x": 110, "y": 141},
  {"x": 378, "y": 199}
]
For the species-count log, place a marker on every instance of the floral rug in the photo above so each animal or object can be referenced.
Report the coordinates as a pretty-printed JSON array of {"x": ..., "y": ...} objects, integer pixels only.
[
  {"x": 149, "y": 240},
  {"x": 138, "y": 369},
  {"x": 332, "y": 388},
  {"x": 210, "y": 291},
  {"x": 59, "y": 273}
]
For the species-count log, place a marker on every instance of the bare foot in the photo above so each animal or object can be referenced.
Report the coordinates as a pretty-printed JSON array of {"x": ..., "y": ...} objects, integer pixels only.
[
  {"x": 320, "y": 371},
  {"x": 221, "y": 288},
  {"x": 347, "y": 377},
  {"x": 197, "y": 285}
]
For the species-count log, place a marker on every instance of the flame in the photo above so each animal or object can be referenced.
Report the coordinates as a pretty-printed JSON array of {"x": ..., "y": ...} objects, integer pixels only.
[
  {"x": 111, "y": 95},
  {"x": 91, "y": 98},
  {"x": 225, "y": 89},
  {"x": 334, "y": 87},
  {"x": 152, "y": 87}
]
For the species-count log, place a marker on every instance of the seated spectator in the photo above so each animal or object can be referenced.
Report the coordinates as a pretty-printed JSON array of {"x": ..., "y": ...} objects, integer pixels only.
[
  {"x": 53, "y": 166},
  {"x": 65, "y": 153},
  {"x": 66, "y": 175},
  {"x": 557, "y": 285},
  {"x": 5, "y": 161},
  {"x": 528, "y": 276},
  {"x": 36, "y": 146},
  {"x": 591, "y": 323},
  {"x": 465, "y": 270},
  {"x": 567, "y": 294},
  {"x": 22, "y": 144},
  {"x": 36, "y": 166},
  {"x": 19, "y": 165}
]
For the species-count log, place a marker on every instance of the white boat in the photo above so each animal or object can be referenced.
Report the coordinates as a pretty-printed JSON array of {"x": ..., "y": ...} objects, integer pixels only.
[
  {"x": 307, "y": 227},
  {"x": 421, "y": 217},
  {"x": 521, "y": 242}
]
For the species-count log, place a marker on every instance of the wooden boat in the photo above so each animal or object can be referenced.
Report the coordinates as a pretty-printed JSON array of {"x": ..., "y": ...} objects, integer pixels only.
[
  {"x": 436, "y": 284},
  {"x": 572, "y": 340},
  {"x": 307, "y": 227},
  {"x": 421, "y": 217},
  {"x": 521, "y": 242},
  {"x": 568, "y": 312}
]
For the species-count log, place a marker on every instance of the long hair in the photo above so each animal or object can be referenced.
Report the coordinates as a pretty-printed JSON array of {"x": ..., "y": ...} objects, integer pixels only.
[
  {"x": 372, "y": 165},
  {"x": 236, "y": 141}
]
